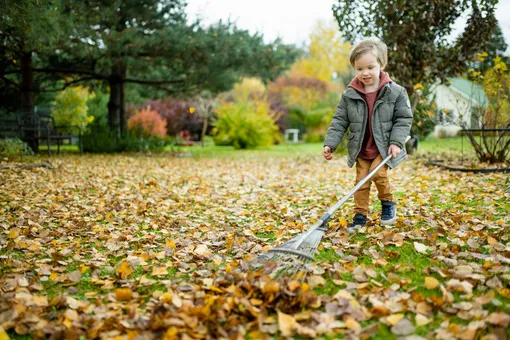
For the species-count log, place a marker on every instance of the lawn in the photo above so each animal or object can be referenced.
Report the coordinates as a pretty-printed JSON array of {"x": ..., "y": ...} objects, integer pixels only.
[{"x": 115, "y": 246}]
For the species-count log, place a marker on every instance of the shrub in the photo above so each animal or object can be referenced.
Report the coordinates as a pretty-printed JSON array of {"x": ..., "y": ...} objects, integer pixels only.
[
  {"x": 98, "y": 108},
  {"x": 106, "y": 141},
  {"x": 146, "y": 123},
  {"x": 302, "y": 92},
  {"x": 248, "y": 89},
  {"x": 245, "y": 125},
  {"x": 13, "y": 147},
  {"x": 178, "y": 116},
  {"x": 424, "y": 114},
  {"x": 70, "y": 108}
]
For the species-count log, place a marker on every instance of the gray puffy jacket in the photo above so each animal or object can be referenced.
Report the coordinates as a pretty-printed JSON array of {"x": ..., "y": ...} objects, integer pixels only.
[{"x": 391, "y": 122}]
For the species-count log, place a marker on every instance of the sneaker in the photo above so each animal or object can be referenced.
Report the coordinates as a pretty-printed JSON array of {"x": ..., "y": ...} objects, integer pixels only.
[
  {"x": 358, "y": 222},
  {"x": 389, "y": 213}
]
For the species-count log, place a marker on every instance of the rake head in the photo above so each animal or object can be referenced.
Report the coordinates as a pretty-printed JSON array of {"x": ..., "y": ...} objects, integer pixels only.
[{"x": 293, "y": 258}]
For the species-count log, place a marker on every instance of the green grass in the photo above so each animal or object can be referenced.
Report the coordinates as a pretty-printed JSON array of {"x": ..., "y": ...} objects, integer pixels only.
[{"x": 428, "y": 145}]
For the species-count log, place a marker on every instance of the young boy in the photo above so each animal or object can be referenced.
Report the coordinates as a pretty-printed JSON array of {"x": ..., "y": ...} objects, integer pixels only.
[{"x": 377, "y": 113}]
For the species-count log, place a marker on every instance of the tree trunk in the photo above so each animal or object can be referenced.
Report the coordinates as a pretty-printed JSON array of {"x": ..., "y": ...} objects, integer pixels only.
[
  {"x": 27, "y": 98},
  {"x": 204, "y": 129},
  {"x": 116, "y": 112}
]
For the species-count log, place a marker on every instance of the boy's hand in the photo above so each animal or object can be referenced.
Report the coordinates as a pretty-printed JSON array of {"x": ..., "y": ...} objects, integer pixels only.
[
  {"x": 394, "y": 150},
  {"x": 327, "y": 153}
]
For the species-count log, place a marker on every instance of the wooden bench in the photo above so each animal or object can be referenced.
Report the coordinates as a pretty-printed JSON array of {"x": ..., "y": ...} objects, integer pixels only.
[{"x": 44, "y": 129}]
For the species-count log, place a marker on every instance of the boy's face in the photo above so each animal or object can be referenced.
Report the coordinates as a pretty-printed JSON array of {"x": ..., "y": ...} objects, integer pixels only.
[{"x": 367, "y": 69}]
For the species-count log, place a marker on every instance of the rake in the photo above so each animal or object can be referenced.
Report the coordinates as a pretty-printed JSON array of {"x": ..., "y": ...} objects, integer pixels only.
[{"x": 294, "y": 257}]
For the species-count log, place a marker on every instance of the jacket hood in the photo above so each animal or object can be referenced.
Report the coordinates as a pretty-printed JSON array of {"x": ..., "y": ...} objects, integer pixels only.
[{"x": 357, "y": 85}]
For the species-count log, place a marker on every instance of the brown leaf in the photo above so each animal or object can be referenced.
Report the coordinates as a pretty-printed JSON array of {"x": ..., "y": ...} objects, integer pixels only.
[
  {"x": 499, "y": 319},
  {"x": 74, "y": 276},
  {"x": 403, "y": 327}
]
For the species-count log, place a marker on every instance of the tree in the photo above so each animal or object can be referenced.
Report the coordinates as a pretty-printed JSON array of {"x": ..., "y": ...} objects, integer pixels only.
[
  {"x": 149, "y": 42},
  {"x": 21, "y": 24},
  {"x": 327, "y": 55},
  {"x": 204, "y": 106},
  {"x": 496, "y": 47},
  {"x": 416, "y": 33},
  {"x": 493, "y": 145}
]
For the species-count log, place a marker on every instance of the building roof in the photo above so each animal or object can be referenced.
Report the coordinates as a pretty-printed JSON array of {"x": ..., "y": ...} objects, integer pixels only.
[{"x": 469, "y": 90}]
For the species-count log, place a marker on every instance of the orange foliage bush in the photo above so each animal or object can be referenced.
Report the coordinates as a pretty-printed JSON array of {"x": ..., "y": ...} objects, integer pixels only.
[{"x": 148, "y": 122}]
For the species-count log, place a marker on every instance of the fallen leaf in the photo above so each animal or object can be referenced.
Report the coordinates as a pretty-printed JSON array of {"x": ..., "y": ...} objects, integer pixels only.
[
  {"x": 394, "y": 318},
  {"x": 286, "y": 324},
  {"x": 14, "y": 233},
  {"x": 431, "y": 282},
  {"x": 123, "y": 294},
  {"x": 420, "y": 248},
  {"x": 499, "y": 318},
  {"x": 74, "y": 276},
  {"x": 422, "y": 320},
  {"x": 403, "y": 327},
  {"x": 124, "y": 270},
  {"x": 176, "y": 300}
]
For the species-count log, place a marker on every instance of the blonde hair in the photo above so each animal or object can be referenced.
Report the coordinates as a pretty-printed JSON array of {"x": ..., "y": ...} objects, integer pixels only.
[{"x": 378, "y": 49}]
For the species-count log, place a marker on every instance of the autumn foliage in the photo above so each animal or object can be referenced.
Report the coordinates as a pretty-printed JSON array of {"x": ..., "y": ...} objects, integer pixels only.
[
  {"x": 147, "y": 122},
  {"x": 178, "y": 116}
]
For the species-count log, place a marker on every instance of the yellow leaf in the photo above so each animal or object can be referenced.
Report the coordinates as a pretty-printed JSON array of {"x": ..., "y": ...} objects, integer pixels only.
[
  {"x": 171, "y": 333},
  {"x": 228, "y": 268},
  {"x": 422, "y": 320},
  {"x": 271, "y": 287},
  {"x": 166, "y": 297},
  {"x": 286, "y": 324},
  {"x": 170, "y": 244},
  {"x": 350, "y": 323},
  {"x": 14, "y": 232},
  {"x": 123, "y": 294},
  {"x": 3, "y": 335},
  {"x": 394, "y": 318},
  {"x": 431, "y": 282},
  {"x": 293, "y": 285},
  {"x": 159, "y": 271},
  {"x": 124, "y": 270}
]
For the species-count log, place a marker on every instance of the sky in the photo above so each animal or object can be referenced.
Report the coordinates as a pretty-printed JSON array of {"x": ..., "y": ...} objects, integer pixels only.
[{"x": 294, "y": 20}]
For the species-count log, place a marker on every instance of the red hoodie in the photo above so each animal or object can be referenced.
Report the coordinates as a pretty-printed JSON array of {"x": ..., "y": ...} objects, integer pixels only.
[{"x": 369, "y": 148}]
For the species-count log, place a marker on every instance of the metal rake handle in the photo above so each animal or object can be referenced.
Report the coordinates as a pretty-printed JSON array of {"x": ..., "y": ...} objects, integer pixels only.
[
  {"x": 325, "y": 218},
  {"x": 334, "y": 208}
]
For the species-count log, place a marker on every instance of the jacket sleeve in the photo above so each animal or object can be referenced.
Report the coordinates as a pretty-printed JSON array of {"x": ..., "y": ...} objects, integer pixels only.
[
  {"x": 402, "y": 120},
  {"x": 339, "y": 125}
]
